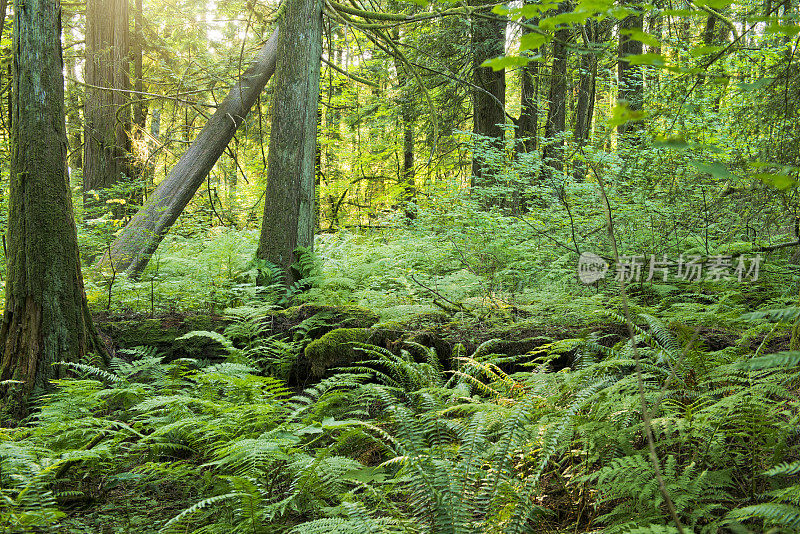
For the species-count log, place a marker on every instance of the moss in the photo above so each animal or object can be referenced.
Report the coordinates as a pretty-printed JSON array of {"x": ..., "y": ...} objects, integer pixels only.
[
  {"x": 420, "y": 321},
  {"x": 334, "y": 349},
  {"x": 330, "y": 318},
  {"x": 509, "y": 348},
  {"x": 159, "y": 332}
]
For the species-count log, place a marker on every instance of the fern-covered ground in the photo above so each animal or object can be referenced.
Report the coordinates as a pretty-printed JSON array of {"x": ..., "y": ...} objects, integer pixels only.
[{"x": 446, "y": 375}]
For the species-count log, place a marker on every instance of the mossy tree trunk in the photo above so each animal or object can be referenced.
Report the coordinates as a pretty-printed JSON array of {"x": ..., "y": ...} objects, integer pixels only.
[
  {"x": 46, "y": 318},
  {"x": 289, "y": 201},
  {"x": 631, "y": 83},
  {"x": 553, "y": 149},
  {"x": 107, "y": 115},
  {"x": 407, "y": 118},
  {"x": 487, "y": 39},
  {"x": 584, "y": 107}
]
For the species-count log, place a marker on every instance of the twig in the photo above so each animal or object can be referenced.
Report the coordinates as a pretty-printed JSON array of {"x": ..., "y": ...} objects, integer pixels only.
[{"x": 458, "y": 306}]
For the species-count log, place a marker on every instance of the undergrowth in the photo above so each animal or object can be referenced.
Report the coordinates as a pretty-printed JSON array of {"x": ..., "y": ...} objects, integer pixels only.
[{"x": 402, "y": 441}]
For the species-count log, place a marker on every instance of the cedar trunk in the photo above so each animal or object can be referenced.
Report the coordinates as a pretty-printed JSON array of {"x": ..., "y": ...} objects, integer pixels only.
[
  {"x": 488, "y": 40},
  {"x": 631, "y": 84},
  {"x": 289, "y": 200},
  {"x": 528, "y": 125},
  {"x": 553, "y": 150},
  {"x": 106, "y": 110},
  {"x": 406, "y": 102},
  {"x": 46, "y": 318}
]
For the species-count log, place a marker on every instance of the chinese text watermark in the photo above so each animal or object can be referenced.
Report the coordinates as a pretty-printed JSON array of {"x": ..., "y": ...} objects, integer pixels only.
[{"x": 689, "y": 268}]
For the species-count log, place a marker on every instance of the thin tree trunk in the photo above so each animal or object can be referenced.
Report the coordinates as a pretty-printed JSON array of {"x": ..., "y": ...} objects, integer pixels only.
[
  {"x": 289, "y": 200},
  {"x": 139, "y": 115},
  {"x": 46, "y": 317},
  {"x": 140, "y": 238}
]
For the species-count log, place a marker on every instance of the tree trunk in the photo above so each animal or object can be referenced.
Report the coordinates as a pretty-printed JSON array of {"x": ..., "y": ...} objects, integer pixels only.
[
  {"x": 74, "y": 121},
  {"x": 106, "y": 112},
  {"x": 407, "y": 118},
  {"x": 289, "y": 200},
  {"x": 488, "y": 39},
  {"x": 46, "y": 317},
  {"x": 553, "y": 152},
  {"x": 631, "y": 86},
  {"x": 139, "y": 114},
  {"x": 140, "y": 238},
  {"x": 584, "y": 108},
  {"x": 528, "y": 125}
]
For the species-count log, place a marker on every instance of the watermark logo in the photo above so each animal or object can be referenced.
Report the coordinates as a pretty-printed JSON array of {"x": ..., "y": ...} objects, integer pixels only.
[
  {"x": 591, "y": 268},
  {"x": 689, "y": 268}
]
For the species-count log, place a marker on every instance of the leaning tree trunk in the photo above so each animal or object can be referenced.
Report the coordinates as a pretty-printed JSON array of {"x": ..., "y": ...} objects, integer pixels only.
[
  {"x": 140, "y": 238},
  {"x": 107, "y": 145},
  {"x": 289, "y": 200},
  {"x": 46, "y": 317}
]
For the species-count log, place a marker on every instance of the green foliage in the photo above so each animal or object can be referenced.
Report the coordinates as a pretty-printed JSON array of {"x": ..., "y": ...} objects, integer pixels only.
[
  {"x": 334, "y": 348},
  {"x": 393, "y": 442}
]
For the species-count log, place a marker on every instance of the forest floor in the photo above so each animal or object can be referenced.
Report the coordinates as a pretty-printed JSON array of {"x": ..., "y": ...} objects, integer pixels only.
[{"x": 378, "y": 400}]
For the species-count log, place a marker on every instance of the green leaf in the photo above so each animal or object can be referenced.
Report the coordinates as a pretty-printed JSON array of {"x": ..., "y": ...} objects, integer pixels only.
[
  {"x": 622, "y": 114},
  {"x": 777, "y": 180},
  {"x": 714, "y": 4},
  {"x": 758, "y": 84},
  {"x": 503, "y": 62},
  {"x": 682, "y": 12},
  {"x": 594, "y": 6},
  {"x": 672, "y": 141},
  {"x": 620, "y": 12},
  {"x": 657, "y": 60},
  {"x": 572, "y": 17},
  {"x": 699, "y": 51},
  {"x": 502, "y": 10},
  {"x": 789, "y": 30},
  {"x": 366, "y": 475},
  {"x": 530, "y": 11},
  {"x": 781, "y": 359},
  {"x": 717, "y": 170},
  {"x": 531, "y": 41},
  {"x": 639, "y": 35}
]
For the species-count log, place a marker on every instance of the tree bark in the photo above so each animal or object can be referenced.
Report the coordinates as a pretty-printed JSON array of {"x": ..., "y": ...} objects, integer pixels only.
[
  {"x": 584, "y": 107},
  {"x": 107, "y": 114},
  {"x": 529, "y": 116},
  {"x": 46, "y": 317},
  {"x": 406, "y": 101},
  {"x": 528, "y": 125},
  {"x": 631, "y": 85},
  {"x": 139, "y": 112},
  {"x": 553, "y": 151},
  {"x": 289, "y": 200},
  {"x": 140, "y": 238},
  {"x": 487, "y": 39}
]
